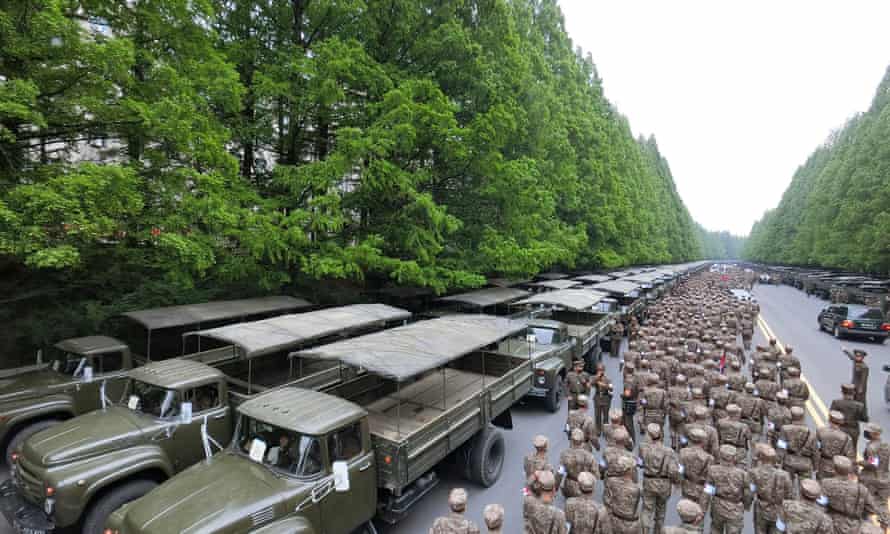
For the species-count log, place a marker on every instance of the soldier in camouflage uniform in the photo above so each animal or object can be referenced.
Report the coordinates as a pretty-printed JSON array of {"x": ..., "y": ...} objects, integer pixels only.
[
  {"x": 679, "y": 398},
  {"x": 766, "y": 385},
  {"x": 621, "y": 497},
  {"x": 653, "y": 404},
  {"x": 797, "y": 447},
  {"x": 853, "y": 410},
  {"x": 609, "y": 465},
  {"x": 660, "y": 470},
  {"x": 832, "y": 441},
  {"x": 691, "y": 515},
  {"x": 798, "y": 390},
  {"x": 702, "y": 421},
  {"x": 583, "y": 513},
  {"x": 753, "y": 410},
  {"x": 736, "y": 377},
  {"x": 733, "y": 431},
  {"x": 875, "y": 474},
  {"x": 540, "y": 516},
  {"x": 573, "y": 462},
  {"x": 849, "y": 502},
  {"x": 778, "y": 414},
  {"x": 577, "y": 383},
  {"x": 538, "y": 460},
  {"x": 806, "y": 516},
  {"x": 455, "y": 522},
  {"x": 721, "y": 397},
  {"x": 771, "y": 486},
  {"x": 493, "y": 516},
  {"x": 602, "y": 397},
  {"x": 580, "y": 419},
  {"x": 729, "y": 490},
  {"x": 694, "y": 464},
  {"x": 747, "y": 331},
  {"x": 616, "y": 421}
]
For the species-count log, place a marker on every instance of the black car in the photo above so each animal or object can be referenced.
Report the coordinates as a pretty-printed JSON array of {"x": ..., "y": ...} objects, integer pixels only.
[{"x": 851, "y": 320}]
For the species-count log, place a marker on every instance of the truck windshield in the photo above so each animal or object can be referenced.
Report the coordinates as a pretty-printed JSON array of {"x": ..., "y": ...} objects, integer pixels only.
[
  {"x": 279, "y": 448},
  {"x": 543, "y": 336},
  {"x": 68, "y": 364},
  {"x": 153, "y": 400}
]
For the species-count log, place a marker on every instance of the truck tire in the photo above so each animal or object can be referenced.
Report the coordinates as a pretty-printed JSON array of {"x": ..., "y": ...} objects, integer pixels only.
[
  {"x": 553, "y": 400},
  {"x": 487, "y": 457},
  {"x": 24, "y": 433},
  {"x": 367, "y": 528},
  {"x": 94, "y": 523}
]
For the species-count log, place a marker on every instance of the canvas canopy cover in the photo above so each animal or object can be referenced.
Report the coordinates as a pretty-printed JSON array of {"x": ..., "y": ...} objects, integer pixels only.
[
  {"x": 91, "y": 345},
  {"x": 189, "y": 314},
  {"x": 487, "y": 297},
  {"x": 619, "y": 287},
  {"x": 557, "y": 284},
  {"x": 407, "y": 351},
  {"x": 257, "y": 338},
  {"x": 593, "y": 278},
  {"x": 571, "y": 299}
]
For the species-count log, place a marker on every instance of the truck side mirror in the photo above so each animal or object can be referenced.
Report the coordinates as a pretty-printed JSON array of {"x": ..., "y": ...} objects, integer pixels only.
[
  {"x": 341, "y": 476},
  {"x": 88, "y": 373},
  {"x": 185, "y": 412}
]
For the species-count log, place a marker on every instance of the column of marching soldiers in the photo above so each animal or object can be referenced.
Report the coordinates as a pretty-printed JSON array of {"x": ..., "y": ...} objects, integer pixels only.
[{"x": 724, "y": 430}]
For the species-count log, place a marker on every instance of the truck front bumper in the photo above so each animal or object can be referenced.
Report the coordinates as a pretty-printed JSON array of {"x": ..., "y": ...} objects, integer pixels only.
[
  {"x": 538, "y": 392},
  {"x": 23, "y": 516}
]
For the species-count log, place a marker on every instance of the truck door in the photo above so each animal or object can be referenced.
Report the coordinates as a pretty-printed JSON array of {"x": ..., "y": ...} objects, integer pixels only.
[
  {"x": 184, "y": 447},
  {"x": 344, "y": 511}
]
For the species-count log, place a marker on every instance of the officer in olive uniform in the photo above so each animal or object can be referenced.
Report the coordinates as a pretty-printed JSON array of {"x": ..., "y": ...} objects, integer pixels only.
[
  {"x": 621, "y": 497},
  {"x": 583, "y": 513},
  {"x": 602, "y": 398},
  {"x": 875, "y": 464},
  {"x": 573, "y": 462},
  {"x": 694, "y": 464},
  {"x": 806, "y": 516},
  {"x": 540, "y": 516},
  {"x": 797, "y": 447},
  {"x": 771, "y": 486},
  {"x": 455, "y": 522},
  {"x": 615, "y": 335},
  {"x": 849, "y": 502},
  {"x": 691, "y": 515},
  {"x": 729, "y": 490},
  {"x": 660, "y": 470},
  {"x": 493, "y": 515},
  {"x": 832, "y": 441},
  {"x": 538, "y": 460},
  {"x": 629, "y": 395},
  {"x": 853, "y": 410},
  {"x": 577, "y": 383},
  {"x": 860, "y": 376}
]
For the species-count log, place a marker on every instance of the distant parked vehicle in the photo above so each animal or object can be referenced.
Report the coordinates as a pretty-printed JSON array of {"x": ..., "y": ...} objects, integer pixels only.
[
  {"x": 886, "y": 369},
  {"x": 851, "y": 320}
]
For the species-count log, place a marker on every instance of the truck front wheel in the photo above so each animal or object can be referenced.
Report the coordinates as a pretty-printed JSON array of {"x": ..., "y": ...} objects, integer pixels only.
[
  {"x": 111, "y": 501},
  {"x": 554, "y": 396},
  {"x": 487, "y": 457},
  {"x": 367, "y": 528}
]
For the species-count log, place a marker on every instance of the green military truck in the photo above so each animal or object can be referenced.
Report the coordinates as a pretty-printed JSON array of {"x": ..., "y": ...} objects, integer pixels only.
[
  {"x": 66, "y": 383},
  {"x": 77, "y": 472},
  {"x": 312, "y": 462},
  {"x": 630, "y": 301}
]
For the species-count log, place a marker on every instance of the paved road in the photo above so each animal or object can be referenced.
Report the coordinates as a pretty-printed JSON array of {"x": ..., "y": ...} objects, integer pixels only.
[{"x": 790, "y": 315}]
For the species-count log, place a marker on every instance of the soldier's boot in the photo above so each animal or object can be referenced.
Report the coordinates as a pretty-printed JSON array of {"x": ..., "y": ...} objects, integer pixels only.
[
  {"x": 629, "y": 425},
  {"x": 717, "y": 524},
  {"x": 660, "y": 508}
]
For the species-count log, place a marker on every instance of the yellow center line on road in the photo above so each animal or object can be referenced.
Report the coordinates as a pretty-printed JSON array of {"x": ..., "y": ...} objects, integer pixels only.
[{"x": 815, "y": 406}]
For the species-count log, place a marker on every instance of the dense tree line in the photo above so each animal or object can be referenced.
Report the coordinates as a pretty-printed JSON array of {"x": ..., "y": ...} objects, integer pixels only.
[
  {"x": 721, "y": 245},
  {"x": 162, "y": 151},
  {"x": 836, "y": 212}
]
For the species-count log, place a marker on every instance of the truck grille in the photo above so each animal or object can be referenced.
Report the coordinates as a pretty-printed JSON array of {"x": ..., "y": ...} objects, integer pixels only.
[
  {"x": 262, "y": 516},
  {"x": 29, "y": 482}
]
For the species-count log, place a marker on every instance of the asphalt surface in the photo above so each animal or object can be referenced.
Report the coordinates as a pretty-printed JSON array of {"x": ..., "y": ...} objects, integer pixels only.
[{"x": 787, "y": 312}]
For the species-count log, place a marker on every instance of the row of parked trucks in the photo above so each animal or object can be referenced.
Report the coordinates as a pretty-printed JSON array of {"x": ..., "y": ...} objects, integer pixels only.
[
  {"x": 276, "y": 417},
  {"x": 841, "y": 287}
]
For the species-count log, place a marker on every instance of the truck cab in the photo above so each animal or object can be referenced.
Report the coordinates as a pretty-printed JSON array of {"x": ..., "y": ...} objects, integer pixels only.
[
  {"x": 306, "y": 470},
  {"x": 149, "y": 429}
]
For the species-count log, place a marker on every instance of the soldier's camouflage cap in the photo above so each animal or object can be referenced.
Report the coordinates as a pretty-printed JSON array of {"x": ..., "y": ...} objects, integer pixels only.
[
  {"x": 582, "y": 400},
  {"x": 734, "y": 409},
  {"x": 872, "y": 428},
  {"x": 615, "y": 414},
  {"x": 793, "y": 371},
  {"x": 689, "y": 510},
  {"x": 796, "y": 413},
  {"x": 723, "y": 379},
  {"x": 848, "y": 388},
  {"x": 698, "y": 392},
  {"x": 810, "y": 488},
  {"x": 836, "y": 417},
  {"x": 860, "y": 352},
  {"x": 629, "y": 366},
  {"x": 546, "y": 480},
  {"x": 697, "y": 435},
  {"x": 727, "y": 452},
  {"x": 765, "y": 451},
  {"x": 577, "y": 435},
  {"x": 700, "y": 412},
  {"x": 749, "y": 386},
  {"x": 842, "y": 465},
  {"x": 782, "y": 395},
  {"x": 620, "y": 435},
  {"x": 653, "y": 430},
  {"x": 789, "y": 349},
  {"x": 587, "y": 482},
  {"x": 868, "y": 527},
  {"x": 493, "y": 515},
  {"x": 457, "y": 499},
  {"x": 680, "y": 379},
  {"x": 540, "y": 442},
  {"x": 735, "y": 364}
]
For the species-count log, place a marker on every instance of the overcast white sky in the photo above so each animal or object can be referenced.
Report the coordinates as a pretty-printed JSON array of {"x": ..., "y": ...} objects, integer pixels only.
[{"x": 737, "y": 93}]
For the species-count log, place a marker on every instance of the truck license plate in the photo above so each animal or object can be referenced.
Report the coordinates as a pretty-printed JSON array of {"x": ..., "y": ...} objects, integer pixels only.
[{"x": 27, "y": 530}]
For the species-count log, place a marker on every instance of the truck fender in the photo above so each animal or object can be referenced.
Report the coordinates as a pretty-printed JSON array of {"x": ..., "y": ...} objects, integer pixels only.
[
  {"x": 288, "y": 525},
  {"x": 118, "y": 466},
  {"x": 18, "y": 414}
]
